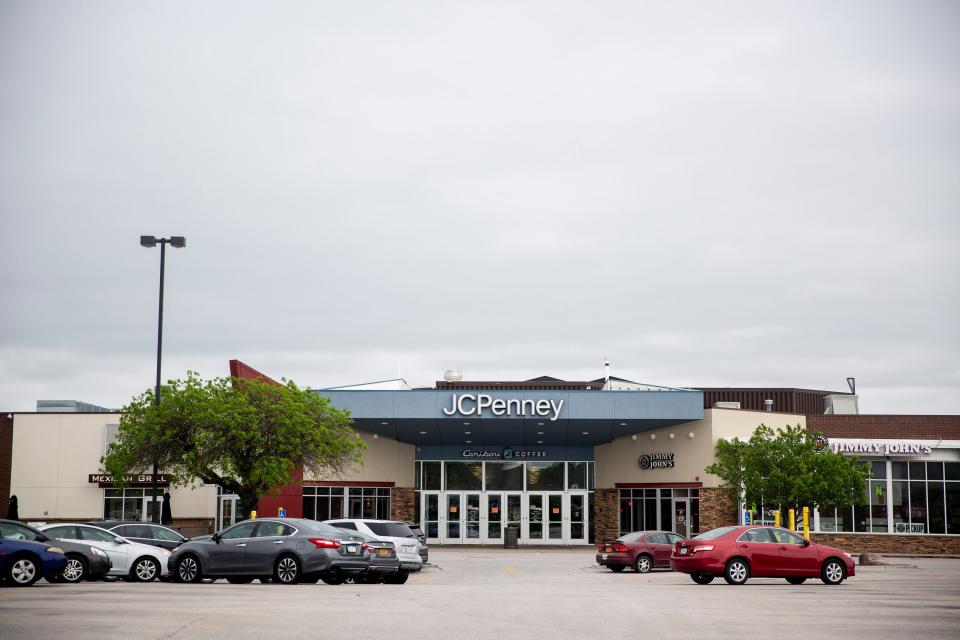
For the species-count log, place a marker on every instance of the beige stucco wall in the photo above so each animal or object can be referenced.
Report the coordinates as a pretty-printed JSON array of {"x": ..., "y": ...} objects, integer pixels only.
[
  {"x": 53, "y": 453},
  {"x": 384, "y": 460},
  {"x": 618, "y": 461}
]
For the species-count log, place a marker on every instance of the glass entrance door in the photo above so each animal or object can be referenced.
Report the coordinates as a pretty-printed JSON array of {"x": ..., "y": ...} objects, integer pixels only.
[
  {"x": 502, "y": 510},
  {"x": 681, "y": 511},
  {"x": 545, "y": 518},
  {"x": 495, "y": 514},
  {"x": 462, "y": 518},
  {"x": 430, "y": 508},
  {"x": 555, "y": 518},
  {"x": 534, "y": 529},
  {"x": 577, "y": 525},
  {"x": 226, "y": 510}
]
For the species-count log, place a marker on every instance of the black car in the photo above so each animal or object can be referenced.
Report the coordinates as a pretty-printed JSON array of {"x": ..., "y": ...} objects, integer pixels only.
[
  {"x": 384, "y": 563},
  {"x": 83, "y": 561},
  {"x": 143, "y": 532},
  {"x": 284, "y": 550}
]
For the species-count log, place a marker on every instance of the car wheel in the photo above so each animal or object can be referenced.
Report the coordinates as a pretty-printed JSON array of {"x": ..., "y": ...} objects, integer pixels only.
[
  {"x": 75, "y": 571},
  {"x": 701, "y": 578},
  {"x": 796, "y": 580},
  {"x": 616, "y": 568},
  {"x": 23, "y": 571},
  {"x": 334, "y": 579},
  {"x": 239, "y": 580},
  {"x": 188, "y": 569},
  {"x": 833, "y": 572},
  {"x": 287, "y": 570},
  {"x": 737, "y": 571},
  {"x": 399, "y": 577},
  {"x": 643, "y": 564},
  {"x": 145, "y": 570}
]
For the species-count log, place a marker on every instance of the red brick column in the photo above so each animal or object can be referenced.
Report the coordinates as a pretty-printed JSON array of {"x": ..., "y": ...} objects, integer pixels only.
[
  {"x": 716, "y": 510},
  {"x": 401, "y": 503},
  {"x": 6, "y": 461},
  {"x": 606, "y": 514}
]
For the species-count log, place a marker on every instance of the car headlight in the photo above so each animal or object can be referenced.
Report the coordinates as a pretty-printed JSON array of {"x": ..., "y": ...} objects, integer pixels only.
[
  {"x": 98, "y": 552},
  {"x": 55, "y": 550}
]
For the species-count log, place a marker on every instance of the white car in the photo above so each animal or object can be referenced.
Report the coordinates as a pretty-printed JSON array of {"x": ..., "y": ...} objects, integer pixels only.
[
  {"x": 405, "y": 540},
  {"x": 141, "y": 562}
]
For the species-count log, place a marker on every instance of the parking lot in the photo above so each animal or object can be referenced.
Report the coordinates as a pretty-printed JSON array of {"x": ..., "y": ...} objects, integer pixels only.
[{"x": 481, "y": 593}]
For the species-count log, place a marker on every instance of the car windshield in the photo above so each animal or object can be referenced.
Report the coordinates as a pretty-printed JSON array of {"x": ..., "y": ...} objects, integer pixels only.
[
  {"x": 713, "y": 534},
  {"x": 13, "y": 531},
  {"x": 320, "y": 527},
  {"x": 392, "y": 529}
]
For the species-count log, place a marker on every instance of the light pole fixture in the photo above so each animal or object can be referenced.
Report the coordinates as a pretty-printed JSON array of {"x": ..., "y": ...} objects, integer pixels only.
[{"x": 177, "y": 242}]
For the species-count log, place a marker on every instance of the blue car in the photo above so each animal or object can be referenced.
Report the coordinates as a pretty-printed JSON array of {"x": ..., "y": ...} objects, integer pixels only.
[{"x": 22, "y": 563}]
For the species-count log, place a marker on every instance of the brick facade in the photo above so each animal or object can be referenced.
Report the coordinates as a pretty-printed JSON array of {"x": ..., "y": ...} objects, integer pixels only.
[
  {"x": 886, "y": 427},
  {"x": 716, "y": 509},
  {"x": 606, "y": 514},
  {"x": 402, "y": 501},
  {"x": 890, "y": 543},
  {"x": 6, "y": 461}
]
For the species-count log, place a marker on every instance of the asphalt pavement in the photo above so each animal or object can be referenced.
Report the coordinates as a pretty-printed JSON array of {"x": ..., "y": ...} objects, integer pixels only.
[{"x": 493, "y": 593}]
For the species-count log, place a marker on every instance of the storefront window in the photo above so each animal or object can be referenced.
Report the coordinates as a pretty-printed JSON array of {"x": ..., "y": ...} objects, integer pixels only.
[
  {"x": 464, "y": 476},
  {"x": 431, "y": 476},
  {"x": 504, "y": 476},
  {"x": 658, "y": 510},
  {"x": 576, "y": 475},
  {"x": 327, "y": 503},
  {"x": 545, "y": 476},
  {"x": 128, "y": 504}
]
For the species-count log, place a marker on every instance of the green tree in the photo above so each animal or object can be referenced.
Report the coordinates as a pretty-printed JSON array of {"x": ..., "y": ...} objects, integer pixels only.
[
  {"x": 247, "y": 436},
  {"x": 782, "y": 469}
]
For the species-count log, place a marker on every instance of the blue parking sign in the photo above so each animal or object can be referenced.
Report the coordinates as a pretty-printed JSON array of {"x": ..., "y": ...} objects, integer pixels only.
[
  {"x": 746, "y": 516},
  {"x": 282, "y": 513}
]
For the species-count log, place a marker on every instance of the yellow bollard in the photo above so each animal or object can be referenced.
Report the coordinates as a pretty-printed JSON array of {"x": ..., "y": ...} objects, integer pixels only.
[
  {"x": 253, "y": 515},
  {"x": 792, "y": 520},
  {"x": 806, "y": 522},
  {"x": 776, "y": 518}
]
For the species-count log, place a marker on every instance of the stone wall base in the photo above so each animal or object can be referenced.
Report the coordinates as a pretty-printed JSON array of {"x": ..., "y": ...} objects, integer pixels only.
[
  {"x": 716, "y": 510},
  {"x": 890, "y": 544},
  {"x": 606, "y": 514}
]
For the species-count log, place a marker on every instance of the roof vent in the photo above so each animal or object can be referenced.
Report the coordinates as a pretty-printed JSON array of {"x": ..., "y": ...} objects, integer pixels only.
[
  {"x": 452, "y": 375},
  {"x": 726, "y": 405},
  {"x": 768, "y": 405}
]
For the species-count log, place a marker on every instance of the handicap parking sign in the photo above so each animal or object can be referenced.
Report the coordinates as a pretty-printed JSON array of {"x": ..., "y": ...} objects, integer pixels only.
[{"x": 282, "y": 513}]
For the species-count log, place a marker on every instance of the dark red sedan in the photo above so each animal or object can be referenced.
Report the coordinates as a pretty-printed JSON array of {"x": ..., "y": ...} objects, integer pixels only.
[
  {"x": 642, "y": 550},
  {"x": 738, "y": 553}
]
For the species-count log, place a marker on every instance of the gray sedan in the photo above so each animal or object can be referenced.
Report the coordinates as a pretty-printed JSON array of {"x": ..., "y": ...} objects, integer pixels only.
[{"x": 286, "y": 550}]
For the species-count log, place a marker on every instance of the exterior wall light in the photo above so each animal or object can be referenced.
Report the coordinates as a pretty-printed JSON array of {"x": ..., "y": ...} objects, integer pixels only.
[
  {"x": 690, "y": 435},
  {"x": 670, "y": 436},
  {"x": 653, "y": 436},
  {"x": 634, "y": 437}
]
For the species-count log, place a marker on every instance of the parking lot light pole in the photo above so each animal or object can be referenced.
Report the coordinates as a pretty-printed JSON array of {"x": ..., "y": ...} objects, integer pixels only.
[{"x": 177, "y": 242}]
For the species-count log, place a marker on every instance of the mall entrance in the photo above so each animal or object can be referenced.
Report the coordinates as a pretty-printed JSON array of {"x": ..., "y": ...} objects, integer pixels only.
[{"x": 548, "y": 502}]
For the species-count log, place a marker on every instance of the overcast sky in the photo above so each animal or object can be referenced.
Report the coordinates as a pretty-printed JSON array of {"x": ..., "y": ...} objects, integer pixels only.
[{"x": 717, "y": 194}]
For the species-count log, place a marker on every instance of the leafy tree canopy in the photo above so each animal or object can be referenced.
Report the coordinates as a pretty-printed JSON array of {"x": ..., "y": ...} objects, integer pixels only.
[
  {"x": 245, "y": 435},
  {"x": 781, "y": 468}
]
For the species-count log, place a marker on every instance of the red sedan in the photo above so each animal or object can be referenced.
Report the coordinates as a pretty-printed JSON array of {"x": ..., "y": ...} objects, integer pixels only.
[
  {"x": 737, "y": 553},
  {"x": 642, "y": 550}
]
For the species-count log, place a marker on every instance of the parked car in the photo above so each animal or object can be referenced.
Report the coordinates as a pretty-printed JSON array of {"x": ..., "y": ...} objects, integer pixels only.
[
  {"x": 284, "y": 550},
  {"x": 738, "y": 553},
  {"x": 84, "y": 562},
  {"x": 384, "y": 563},
  {"x": 23, "y": 562},
  {"x": 424, "y": 550},
  {"x": 405, "y": 540},
  {"x": 131, "y": 560},
  {"x": 143, "y": 532},
  {"x": 642, "y": 550}
]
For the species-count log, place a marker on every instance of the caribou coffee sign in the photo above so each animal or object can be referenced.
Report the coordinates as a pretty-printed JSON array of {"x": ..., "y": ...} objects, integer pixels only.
[{"x": 474, "y": 404}]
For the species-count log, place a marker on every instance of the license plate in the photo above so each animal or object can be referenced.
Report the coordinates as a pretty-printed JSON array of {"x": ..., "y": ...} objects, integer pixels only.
[
  {"x": 683, "y": 551},
  {"x": 603, "y": 556},
  {"x": 383, "y": 552},
  {"x": 608, "y": 549},
  {"x": 351, "y": 548}
]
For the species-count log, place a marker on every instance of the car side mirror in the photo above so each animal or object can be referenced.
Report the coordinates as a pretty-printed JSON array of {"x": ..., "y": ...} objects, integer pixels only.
[
  {"x": 216, "y": 538},
  {"x": 807, "y": 543}
]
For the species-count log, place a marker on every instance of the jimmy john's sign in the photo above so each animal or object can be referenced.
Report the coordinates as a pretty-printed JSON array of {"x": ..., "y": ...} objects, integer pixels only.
[{"x": 656, "y": 461}]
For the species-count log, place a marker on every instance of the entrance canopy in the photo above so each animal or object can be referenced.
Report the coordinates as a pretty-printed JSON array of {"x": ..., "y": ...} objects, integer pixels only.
[{"x": 495, "y": 417}]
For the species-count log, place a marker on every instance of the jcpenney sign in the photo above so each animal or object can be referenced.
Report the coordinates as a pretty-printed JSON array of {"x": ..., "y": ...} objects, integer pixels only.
[{"x": 474, "y": 404}]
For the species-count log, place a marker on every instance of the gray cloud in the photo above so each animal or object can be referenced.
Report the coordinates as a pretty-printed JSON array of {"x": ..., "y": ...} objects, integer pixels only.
[{"x": 758, "y": 193}]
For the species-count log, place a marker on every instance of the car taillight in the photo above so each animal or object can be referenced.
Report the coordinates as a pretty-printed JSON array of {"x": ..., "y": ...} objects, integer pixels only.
[
  {"x": 616, "y": 546},
  {"x": 365, "y": 547},
  {"x": 600, "y": 546},
  {"x": 322, "y": 543},
  {"x": 702, "y": 547}
]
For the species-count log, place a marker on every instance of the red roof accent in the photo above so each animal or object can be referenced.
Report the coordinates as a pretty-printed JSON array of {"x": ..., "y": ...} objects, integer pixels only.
[{"x": 241, "y": 370}]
